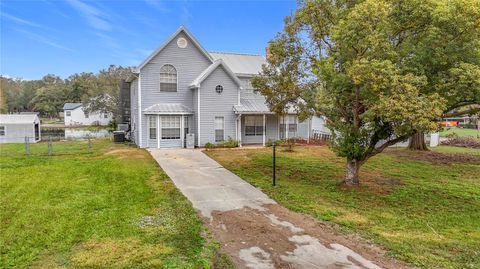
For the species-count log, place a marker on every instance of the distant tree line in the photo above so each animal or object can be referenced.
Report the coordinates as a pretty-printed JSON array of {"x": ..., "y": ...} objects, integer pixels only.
[{"x": 97, "y": 92}]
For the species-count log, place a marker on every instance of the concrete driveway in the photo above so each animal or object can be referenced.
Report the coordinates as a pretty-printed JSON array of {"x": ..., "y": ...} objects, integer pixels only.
[
  {"x": 254, "y": 230},
  {"x": 206, "y": 183}
]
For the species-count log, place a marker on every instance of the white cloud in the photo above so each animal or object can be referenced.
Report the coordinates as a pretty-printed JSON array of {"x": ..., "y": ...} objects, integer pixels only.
[
  {"x": 21, "y": 21},
  {"x": 95, "y": 18},
  {"x": 42, "y": 39},
  {"x": 158, "y": 5}
]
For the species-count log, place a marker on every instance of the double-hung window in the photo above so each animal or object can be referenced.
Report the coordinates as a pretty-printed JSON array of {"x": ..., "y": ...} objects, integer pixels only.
[
  {"x": 170, "y": 127},
  {"x": 168, "y": 78},
  {"x": 2, "y": 130},
  {"x": 69, "y": 113},
  {"x": 152, "y": 127},
  {"x": 253, "y": 125},
  {"x": 219, "y": 129}
]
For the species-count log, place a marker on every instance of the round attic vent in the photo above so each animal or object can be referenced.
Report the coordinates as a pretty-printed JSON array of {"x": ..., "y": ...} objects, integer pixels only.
[
  {"x": 182, "y": 42},
  {"x": 219, "y": 89}
]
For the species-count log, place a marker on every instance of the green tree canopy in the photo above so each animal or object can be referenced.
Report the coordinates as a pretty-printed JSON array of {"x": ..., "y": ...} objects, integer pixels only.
[{"x": 379, "y": 70}]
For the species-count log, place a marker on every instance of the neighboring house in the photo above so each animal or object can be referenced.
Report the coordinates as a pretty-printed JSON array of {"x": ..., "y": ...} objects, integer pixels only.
[
  {"x": 181, "y": 88},
  {"x": 75, "y": 115},
  {"x": 16, "y": 128}
]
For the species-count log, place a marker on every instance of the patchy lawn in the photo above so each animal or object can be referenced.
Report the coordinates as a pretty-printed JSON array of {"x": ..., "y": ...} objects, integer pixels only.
[
  {"x": 111, "y": 208},
  {"x": 459, "y": 131},
  {"x": 422, "y": 211}
]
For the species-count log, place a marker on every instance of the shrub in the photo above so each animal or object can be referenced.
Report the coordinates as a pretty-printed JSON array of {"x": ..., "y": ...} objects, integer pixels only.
[
  {"x": 209, "y": 145},
  {"x": 230, "y": 143}
]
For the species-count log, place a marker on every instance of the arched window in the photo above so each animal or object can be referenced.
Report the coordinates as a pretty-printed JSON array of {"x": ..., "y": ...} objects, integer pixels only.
[{"x": 168, "y": 78}]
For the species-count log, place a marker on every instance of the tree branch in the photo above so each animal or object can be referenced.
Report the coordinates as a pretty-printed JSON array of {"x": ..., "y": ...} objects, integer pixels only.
[
  {"x": 375, "y": 151},
  {"x": 470, "y": 111}
]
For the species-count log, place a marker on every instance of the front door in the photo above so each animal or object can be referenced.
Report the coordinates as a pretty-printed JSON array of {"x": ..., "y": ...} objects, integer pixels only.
[{"x": 170, "y": 132}]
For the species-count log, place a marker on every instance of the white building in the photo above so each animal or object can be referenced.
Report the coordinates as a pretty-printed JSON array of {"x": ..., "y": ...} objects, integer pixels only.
[
  {"x": 15, "y": 128},
  {"x": 75, "y": 115}
]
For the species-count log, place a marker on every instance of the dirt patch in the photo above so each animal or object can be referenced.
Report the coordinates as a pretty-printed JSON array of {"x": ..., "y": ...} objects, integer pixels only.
[
  {"x": 118, "y": 253},
  {"x": 273, "y": 238},
  {"x": 128, "y": 153},
  {"x": 436, "y": 157}
]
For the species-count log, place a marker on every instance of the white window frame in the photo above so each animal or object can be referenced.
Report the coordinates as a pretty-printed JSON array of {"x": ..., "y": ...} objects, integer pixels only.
[
  {"x": 215, "y": 128},
  {"x": 152, "y": 124},
  {"x": 163, "y": 123},
  {"x": 176, "y": 77},
  {"x": 4, "y": 130},
  {"x": 68, "y": 113}
]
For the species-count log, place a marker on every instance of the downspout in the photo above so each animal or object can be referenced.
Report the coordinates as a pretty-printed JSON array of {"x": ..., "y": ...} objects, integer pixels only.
[
  {"x": 139, "y": 110},
  {"x": 198, "y": 116}
]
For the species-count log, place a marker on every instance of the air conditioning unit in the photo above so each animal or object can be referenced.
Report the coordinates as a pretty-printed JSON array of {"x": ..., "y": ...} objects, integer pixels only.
[{"x": 190, "y": 141}]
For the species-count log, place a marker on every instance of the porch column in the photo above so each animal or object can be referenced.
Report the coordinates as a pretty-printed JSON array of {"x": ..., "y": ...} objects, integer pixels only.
[
  {"x": 240, "y": 129},
  {"x": 182, "y": 130},
  {"x": 264, "y": 130},
  {"x": 158, "y": 131}
]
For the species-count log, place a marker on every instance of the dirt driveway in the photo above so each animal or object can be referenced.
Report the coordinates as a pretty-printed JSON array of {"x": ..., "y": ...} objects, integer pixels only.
[{"x": 254, "y": 230}]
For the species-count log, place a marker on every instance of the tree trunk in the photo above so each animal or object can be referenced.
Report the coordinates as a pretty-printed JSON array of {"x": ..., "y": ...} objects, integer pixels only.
[
  {"x": 417, "y": 142},
  {"x": 352, "y": 178}
]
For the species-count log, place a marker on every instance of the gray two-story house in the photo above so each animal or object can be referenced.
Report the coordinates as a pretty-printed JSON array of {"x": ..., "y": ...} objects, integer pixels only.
[{"x": 183, "y": 89}]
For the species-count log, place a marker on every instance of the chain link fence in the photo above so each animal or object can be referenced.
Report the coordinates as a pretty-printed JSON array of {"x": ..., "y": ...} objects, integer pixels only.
[{"x": 51, "y": 145}]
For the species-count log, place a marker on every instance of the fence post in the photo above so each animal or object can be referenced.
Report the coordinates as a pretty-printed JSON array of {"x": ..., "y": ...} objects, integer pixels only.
[
  {"x": 27, "y": 146},
  {"x": 50, "y": 145},
  {"x": 274, "y": 161},
  {"x": 89, "y": 144}
]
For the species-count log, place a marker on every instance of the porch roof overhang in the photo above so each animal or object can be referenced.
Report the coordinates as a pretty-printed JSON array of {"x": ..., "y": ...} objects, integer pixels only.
[
  {"x": 252, "y": 106},
  {"x": 168, "y": 109},
  {"x": 255, "y": 106}
]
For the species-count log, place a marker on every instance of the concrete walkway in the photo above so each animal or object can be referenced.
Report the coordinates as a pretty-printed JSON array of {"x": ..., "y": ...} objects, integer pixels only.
[{"x": 217, "y": 193}]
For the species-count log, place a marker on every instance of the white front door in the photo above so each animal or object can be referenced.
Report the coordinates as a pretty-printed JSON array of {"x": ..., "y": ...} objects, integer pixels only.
[{"x": 171, "y": 130}]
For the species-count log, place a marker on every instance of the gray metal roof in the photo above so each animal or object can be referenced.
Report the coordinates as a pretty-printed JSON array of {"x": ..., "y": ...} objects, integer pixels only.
[
  {"x": 241, "y": 64},
  {"x": 18, "y": 118},
  {"x": 70, "y": 106},
  {"x": 251, "y": 106},
  {"x": 168, "y": 109},
  {"x": 255, "y": 105}
]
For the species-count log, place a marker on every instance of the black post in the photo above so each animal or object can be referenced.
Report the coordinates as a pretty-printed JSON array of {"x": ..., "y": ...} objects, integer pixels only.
[{"x": 273, "y": 171}]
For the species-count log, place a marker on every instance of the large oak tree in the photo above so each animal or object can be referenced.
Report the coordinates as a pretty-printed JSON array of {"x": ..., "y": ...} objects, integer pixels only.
[{"x": 366, "y": 66}]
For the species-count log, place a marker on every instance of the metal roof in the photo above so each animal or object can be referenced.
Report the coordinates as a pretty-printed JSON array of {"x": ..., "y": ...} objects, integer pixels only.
[
  {"x": 18, "y": 118},
  {"x": 197, "y": 81},
  {"x": 70, "y": 106},
  {"x": 251, "y": 106},
  {"x": 167, "y": 108},
  {"x": 241, "y": 64},
  {"x": 255, "y": 105}
]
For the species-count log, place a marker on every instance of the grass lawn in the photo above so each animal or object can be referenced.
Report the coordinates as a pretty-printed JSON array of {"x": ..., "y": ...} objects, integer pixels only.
[
  {"x": 422, "y": 212},
  {"x": 112, "y": 208},
  {"x": 459, "y": 131}
]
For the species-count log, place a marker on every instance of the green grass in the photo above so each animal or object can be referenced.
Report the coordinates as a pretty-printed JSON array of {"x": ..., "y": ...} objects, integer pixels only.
[
  {"x": 424, "y": 213},
  {"x": 459, "y": 131},
  {"x": 112, "y": 208},
  {"x": 455, "y": 150}
]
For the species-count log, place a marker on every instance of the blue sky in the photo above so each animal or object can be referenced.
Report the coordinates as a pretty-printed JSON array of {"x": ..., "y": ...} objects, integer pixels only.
[{"x": 71, "y": 36}]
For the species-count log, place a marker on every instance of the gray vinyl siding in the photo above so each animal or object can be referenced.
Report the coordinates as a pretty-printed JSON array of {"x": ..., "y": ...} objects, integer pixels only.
[
  {"x": 134, "y": 109},
  {"x": 16, "y": 133},
  {"x": 189, "y": 63},
  {"x": 272, "y": 127},
  {"x": 302, "y": 129},
  {"x": 213, "y": 104},
  {"x": 248, "y": 92}
]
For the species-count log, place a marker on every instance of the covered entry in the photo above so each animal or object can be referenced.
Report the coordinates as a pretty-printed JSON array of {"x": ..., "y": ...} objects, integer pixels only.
[{"x": 167, "y": 125}]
